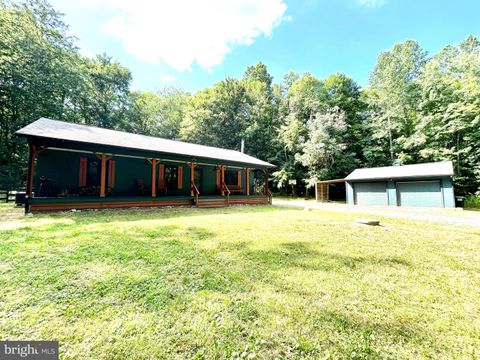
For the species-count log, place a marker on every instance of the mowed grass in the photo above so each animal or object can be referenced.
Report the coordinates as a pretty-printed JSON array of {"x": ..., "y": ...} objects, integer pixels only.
[{"x": 251, "y": 282}]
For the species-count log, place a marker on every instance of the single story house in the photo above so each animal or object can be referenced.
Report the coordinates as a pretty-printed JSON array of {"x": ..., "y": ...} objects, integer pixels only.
[
  {"x": 74, "y": 166},
  {"x": 418, "y": 185}
]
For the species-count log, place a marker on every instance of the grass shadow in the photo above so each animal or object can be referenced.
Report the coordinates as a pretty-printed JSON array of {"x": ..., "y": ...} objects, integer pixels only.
[
  {"x": 370, "y": 331},
  {"x": 302, "y": 255}
]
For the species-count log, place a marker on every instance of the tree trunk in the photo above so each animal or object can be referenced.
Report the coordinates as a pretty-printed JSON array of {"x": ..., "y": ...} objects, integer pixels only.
[{"x": 390, "y": 138}]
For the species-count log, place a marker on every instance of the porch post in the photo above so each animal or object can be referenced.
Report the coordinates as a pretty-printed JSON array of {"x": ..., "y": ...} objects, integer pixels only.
[
  {"x": 31, "y": 170},
  {"x": 222, "y": 180},
  {"x": 103, "y": 173},
  {"x": 154, "y": 177},
  {"x": 265, "y": 172},
  {"x": 247, "y": 182},
  {"x": 192, "y": 176}
]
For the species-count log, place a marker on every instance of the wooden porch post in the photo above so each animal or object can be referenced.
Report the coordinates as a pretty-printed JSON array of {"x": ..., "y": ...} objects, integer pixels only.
[
  {"x": 103, "y": 169},
  {"x": 32, "y": 154},
  {"x": 265, "y": 172},
  {"x": 31, "y": 169},
  {"x": 192, "y": 176},
  {"x": 247, "y": 182},
  {"x": 222, "y": 180},
  {"x": 154, "y": 177}
]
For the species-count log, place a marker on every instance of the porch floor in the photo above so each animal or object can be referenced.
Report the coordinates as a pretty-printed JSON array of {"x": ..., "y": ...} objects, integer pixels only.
[
  {"x": 93, "y": 202},
  {"x": 133, "y": 198}
]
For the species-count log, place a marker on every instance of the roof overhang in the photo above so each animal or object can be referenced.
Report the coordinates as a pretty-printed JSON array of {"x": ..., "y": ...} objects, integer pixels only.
[
  {"x": 426, "y": 170},
  {"x": 333, "y": 181},
  {"x": 66, "y": 135}
]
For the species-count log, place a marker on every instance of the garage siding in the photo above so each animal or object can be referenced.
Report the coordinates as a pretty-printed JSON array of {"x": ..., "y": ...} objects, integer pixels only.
[{"x": 374, "y": 193}]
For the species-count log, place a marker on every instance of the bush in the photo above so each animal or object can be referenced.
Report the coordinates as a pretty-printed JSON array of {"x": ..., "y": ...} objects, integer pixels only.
[{"x": 473, "y": 201}]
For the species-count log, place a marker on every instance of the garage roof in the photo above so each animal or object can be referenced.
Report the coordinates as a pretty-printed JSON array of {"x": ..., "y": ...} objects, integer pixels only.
[
  {"x": 60, "y": 130},
  {"x": 444, "y": 168}
]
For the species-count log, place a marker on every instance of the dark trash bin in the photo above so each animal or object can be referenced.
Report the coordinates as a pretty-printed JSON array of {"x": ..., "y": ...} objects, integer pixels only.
[
  {"x": 459, "y": 201},
  {"x": 20, "y": 198}
]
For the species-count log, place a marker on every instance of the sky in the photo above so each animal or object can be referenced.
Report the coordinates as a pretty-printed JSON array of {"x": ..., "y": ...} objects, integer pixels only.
[{"x": 193, "y": 44}]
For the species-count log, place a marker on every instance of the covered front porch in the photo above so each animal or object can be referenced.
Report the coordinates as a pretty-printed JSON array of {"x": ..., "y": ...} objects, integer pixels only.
[
  {"x": 58, "y": 204},
  {"x": 89, "y": 177}
]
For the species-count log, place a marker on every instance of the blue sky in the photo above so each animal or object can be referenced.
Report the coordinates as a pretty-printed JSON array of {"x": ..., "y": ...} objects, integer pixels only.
[{"x": 193, "y": 44}]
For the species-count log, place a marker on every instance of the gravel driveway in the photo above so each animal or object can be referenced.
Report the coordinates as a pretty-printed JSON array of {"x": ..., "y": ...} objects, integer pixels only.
[{"x": 451, "y": 216}]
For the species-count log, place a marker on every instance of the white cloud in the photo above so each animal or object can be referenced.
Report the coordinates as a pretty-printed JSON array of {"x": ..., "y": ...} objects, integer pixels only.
[
  {"x": 371, "y": 3},
  {"x": 183, "y": 32}
]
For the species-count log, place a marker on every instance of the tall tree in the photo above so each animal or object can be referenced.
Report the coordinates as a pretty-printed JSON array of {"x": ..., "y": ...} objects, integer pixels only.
[
  {"x": 262, "y": 119},
  {"x": 301, "y": 102},
  {"x": 217, "y": 116},
  {"x": 259, "y": 72},
  {"x": 157, "y": 114},
  {"x": 449, "y": 126},
  {"x": 343, "y": 93},
  {"x": 40, "y": 72},
  {"x": 107, "y": 99},
  {"x": 324, "y": 153},
  {"x": 394, "y": 95}
]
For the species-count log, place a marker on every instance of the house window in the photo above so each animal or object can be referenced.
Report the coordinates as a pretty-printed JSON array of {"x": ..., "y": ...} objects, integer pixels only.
[
  {"x": 231, "y": 177},
  {"x": 93, "y": 172},
  {"x": 171, "y": 177}
]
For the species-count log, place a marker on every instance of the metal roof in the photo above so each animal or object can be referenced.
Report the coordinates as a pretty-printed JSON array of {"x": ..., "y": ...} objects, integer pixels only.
[
  {"x": 54, "y": 129},
  {"x": 444, "y": 168}
]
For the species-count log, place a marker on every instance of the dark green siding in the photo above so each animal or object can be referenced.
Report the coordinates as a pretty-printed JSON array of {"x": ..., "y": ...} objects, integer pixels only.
[
  {"x": 127, "y": 171},
  {"x": 208, "y": 180},
  {"x": 61, "y": 168}
]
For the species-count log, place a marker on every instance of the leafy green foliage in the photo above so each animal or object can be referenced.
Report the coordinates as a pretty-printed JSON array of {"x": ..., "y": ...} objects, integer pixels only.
[
  {"x": 472, "y": 201},
  {"x": 39, "y": 72},
  {"x": 393, "y": 97},
  {"x": 106, "y": 101},
  {"x": 157, "y": 114},
  {"x": 42, "y": 74},
  {"x": 321, "y": 120},
  {"x": 324, "y": 153},
  {"x": 217, "y": 116},
  {"x": 449, "y": 126}
]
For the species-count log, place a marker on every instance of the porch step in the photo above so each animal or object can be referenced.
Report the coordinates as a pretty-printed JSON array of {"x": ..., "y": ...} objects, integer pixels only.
[{"x": 212, "y": 202}]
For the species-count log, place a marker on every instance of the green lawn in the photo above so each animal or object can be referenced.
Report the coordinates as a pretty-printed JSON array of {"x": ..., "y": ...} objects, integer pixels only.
[{"x": 254, "y": 282}]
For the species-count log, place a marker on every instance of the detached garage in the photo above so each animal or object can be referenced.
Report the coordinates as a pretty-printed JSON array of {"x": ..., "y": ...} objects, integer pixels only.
[{"x": 419, "y": 185}]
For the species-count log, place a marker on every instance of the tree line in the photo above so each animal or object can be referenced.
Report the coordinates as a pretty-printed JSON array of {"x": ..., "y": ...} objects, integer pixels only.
[{"x": 416, "y": 108}]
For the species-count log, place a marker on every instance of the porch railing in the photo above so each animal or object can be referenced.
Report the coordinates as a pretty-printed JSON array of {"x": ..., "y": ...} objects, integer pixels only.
[
  {"x": 227, "y": 190},
  {"x": 196, "y": 193}
]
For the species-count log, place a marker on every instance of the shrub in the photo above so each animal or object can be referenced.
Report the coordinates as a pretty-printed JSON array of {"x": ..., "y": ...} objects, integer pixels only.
[{"x": 473, "y": 201}]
